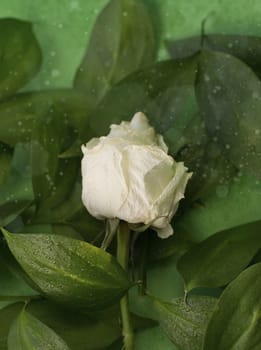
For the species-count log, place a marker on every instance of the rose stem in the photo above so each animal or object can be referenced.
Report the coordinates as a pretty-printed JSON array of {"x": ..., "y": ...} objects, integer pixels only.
[
  {"x": 123, "y": 245},
  {"x": 142, "y": 271}
]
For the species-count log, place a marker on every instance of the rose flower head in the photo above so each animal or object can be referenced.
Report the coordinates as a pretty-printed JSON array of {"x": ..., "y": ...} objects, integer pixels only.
[{"x": 129, "y": 175}]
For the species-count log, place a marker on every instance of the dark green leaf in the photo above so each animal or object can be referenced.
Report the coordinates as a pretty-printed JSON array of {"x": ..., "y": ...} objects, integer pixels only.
[
  {"x": 175, "y": 245},
  {"x": 20, "y": 55},
  {"x": 16, "y": 193},
  {"x": 220, "y": 258},
  {"x": 28, "y": 333},
  {"x": 229, "y": 95},
  {"x": 164, "y": 92},
  {"x": 185, "y": 323},
  {"x": 75, "y": 149},
  {"x": 246, "y": 48},
  {"x": 183, "y": 48},
  {"x": 211, "y": 173},
  {"x": 52, "y": 177},
  {"x": 47, "y": 138},
  {"x": 69, "y": 271},
  {"x": 80, "y": 331},
  {"x": 19, "y": 114},
  {"x": 229, "y": 206},
  {"x": 12, "y": 282},
  {"x": 7, "y": 315},
  {"x": 89, "y": 227},
  {"x": 122, "y": 41},
  {"x": 236, "y": 321},
  {"x": 5, "y": 165},
  {"x": 59, "y": 229},
  {"x": 65, "y": 230},
  {"x": 70, "y": 212}
]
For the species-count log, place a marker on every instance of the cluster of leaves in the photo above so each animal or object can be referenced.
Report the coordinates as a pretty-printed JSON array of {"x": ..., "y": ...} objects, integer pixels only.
[{"x": 205, "y": 101}]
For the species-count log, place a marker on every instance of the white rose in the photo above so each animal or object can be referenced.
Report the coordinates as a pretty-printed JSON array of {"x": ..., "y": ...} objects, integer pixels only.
[{"x": 129, "y": 175}]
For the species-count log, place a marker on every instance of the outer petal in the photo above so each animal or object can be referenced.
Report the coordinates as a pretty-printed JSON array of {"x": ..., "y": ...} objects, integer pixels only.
[
  {"x": 165, "y": 232},
  {"x": 104, "y": 186},
  {"x": 141, "y": 161},
  {"x": 168, "y": 202}
]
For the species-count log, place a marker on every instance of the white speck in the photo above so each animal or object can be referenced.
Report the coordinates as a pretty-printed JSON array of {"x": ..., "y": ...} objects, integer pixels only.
[
  {"x": 74, "y": 5},
  {"x": 55, "y": 73}
]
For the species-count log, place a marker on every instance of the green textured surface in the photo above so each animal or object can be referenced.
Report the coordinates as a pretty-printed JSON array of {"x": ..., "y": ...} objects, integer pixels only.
[{"x": 62, "y": 28}]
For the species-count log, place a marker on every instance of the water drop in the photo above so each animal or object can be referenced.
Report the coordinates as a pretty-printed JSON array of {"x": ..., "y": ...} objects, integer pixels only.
[{"x": 222, "y": 191}]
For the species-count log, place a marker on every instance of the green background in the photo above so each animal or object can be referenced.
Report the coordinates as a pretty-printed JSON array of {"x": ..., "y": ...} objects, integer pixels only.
[{"x": 63, "y": 27}]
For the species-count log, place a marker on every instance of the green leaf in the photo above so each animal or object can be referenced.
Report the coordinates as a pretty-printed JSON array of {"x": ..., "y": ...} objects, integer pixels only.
[
  {"x": 69, "y": 271},
  {"x": 27, "y": 333},
  {"x": 219, "y": 259},
  {"x": 229, "y": 95},
  {"x": 5, "y": 165},
  {"x": 70, "y": 212},
  {"x": 16, "y": 194},
  {"x": 52, "y": 177},
  {"x": 20, "y": 55},
  {"x": 224, "y": 209},
  {"x": 7, "y": 315},
  {"x": 65, "y": 230},
  {"x": 236, "y": 321},
  {"x": 20, "y": 113},
  {"x": 165, "y": 92},
  {"x": 59, "y": 229},
  {"x": 205, "y": 159},
  {"x": 45, "y": 148},
  {"x": 122, "y": 41},
  {"x": 187, "y": 47},
  {"x": 185, "y": 323},
  {"x": 176, "y": 245},
  {"x": 246, "y": 48},
  {"x": 12, "y": 277},
  {"x": 80, "y": 331}
]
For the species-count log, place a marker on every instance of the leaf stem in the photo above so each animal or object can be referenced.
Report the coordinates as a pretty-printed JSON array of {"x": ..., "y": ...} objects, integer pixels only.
[{"x": 123, "y": 249}]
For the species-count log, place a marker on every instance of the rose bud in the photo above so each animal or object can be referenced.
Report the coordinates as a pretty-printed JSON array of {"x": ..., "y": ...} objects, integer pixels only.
[{"x": 129, "y": 175}]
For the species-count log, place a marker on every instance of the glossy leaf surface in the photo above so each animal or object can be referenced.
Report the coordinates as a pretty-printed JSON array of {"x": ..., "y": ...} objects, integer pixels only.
[
  {"x": 235, "y": 323},
  {"x": 28, "y": 333},
  {"x": 69, "y": 271},
  {"x": 186, "y": 323},
  {"x": 80, "y": 331}
]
